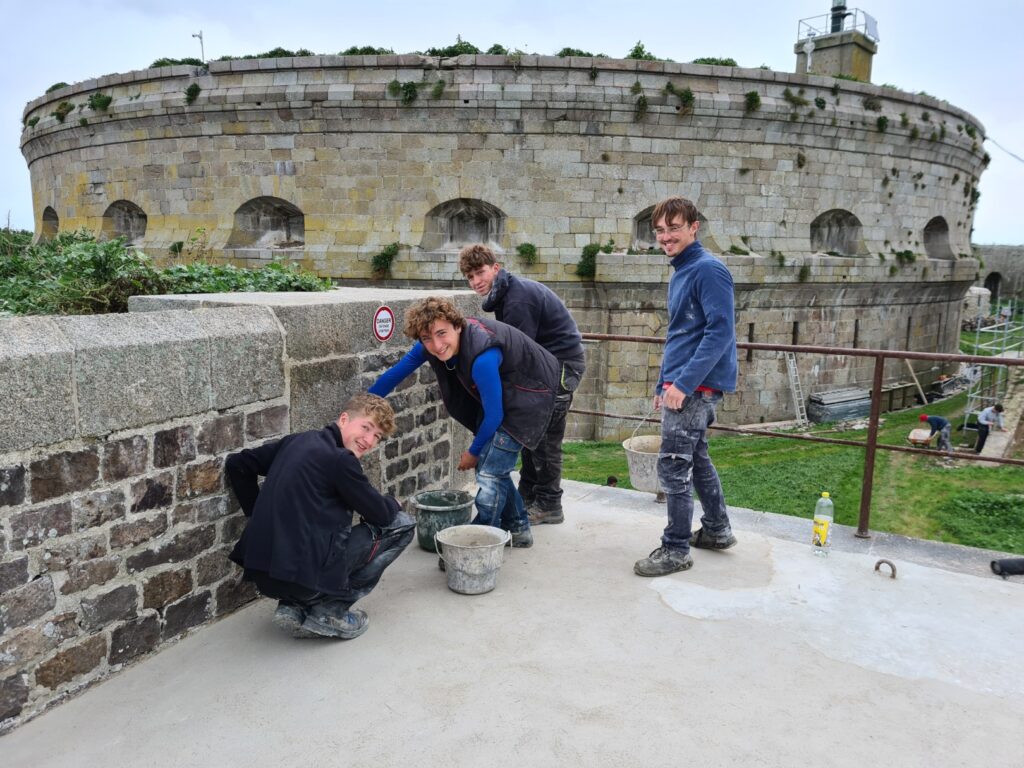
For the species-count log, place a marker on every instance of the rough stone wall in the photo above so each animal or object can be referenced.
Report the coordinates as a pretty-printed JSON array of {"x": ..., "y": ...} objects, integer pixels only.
[
  {"x": 114, "y": 516},
  {"x": 1003, "y": 264},
  {"x": 560, "y": 147}
]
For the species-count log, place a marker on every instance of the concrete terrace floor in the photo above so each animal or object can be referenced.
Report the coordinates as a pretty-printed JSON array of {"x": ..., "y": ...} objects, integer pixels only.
[{"x": 760, "y": 656}]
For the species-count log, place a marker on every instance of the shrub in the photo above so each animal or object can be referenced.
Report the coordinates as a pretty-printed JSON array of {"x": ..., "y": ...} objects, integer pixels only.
[
  {"x": 527, "y": 252},
  {"x": 640, "y": 108},
  {"x": 567, "y": 52},
  {"x": 192, "y": 93},
  {"x": 56, "y": 87},
  {"x": 872, "y": 103},
  {"x": 882, "y": 123},
  {"x": 165, "y": 62},
  {"x": 98, "y": 102},
  {"x": 75, "y": 274},
  {"x": 639, "y": 52},
  {"x": 819, "y": 103},
  {"x": 804, "y": 274},
  {"x": 715, "y": 61},
  {"x": 795, "y": 100},
  {"x": 497, "y": 50},
  {"x": 587, "y": 266},
  {"x": 459, "y": 48},
  {"x": 751, "y": 102},
  {"x": 366, "y": 50},
  {"x": 381, "y": 263},
  {"x": 801, "y": 159},
  {"x": 735, "y": 250},
  {"x": 32, "y": 121},
  {"x": 438, "y": 90},
  {"x": 63, "y": 109}
]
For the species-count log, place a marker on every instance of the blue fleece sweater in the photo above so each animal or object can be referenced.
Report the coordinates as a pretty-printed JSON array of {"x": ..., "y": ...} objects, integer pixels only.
[{"x": 700, "y": 347}]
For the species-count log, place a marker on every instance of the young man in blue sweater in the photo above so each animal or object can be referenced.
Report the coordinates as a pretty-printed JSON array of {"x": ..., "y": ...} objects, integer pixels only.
[
  {"x": 537, "y": 311},
  {"x": 495, "y": 381},
  {"x": 698, "y": 366}
]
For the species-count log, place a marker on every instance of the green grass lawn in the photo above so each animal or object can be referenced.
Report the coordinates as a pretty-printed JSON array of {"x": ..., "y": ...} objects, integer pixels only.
[{"x": 974, "y": 504}]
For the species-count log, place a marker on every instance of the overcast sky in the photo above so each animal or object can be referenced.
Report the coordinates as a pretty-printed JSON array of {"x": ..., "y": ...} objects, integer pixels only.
[{"x": 969, "y": 54}]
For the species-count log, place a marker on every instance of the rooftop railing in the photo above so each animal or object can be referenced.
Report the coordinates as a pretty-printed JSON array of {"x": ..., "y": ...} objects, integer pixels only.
[
  {"x": 839, "y": 20},
  {"x": 871, "y": 446}
]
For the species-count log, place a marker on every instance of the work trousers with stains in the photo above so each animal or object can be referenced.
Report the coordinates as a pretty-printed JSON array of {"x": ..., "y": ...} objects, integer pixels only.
[
  {"x": 683, "y": 464},
  {"x": 368, "y": 551},
  {"x": 498, "y": 503}
]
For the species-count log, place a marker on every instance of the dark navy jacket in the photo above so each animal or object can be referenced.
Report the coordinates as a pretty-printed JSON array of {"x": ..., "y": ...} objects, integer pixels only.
[
  {"x": 299, "y": 521},
  {"x": 537, "y": 311},
  {"x": 529, "y": 377}
]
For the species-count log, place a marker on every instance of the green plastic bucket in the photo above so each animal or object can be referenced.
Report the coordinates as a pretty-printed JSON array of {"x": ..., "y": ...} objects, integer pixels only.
[{"x": 437, "y": 510}]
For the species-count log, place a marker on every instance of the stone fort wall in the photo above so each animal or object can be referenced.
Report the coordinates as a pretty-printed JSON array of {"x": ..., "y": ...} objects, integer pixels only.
[
  {"x": 115, "y": 521},
  {"x": 818, "y": 192}
]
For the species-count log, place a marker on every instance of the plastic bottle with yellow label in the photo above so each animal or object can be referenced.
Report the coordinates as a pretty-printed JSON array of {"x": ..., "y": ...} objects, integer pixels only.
[{"x": 824, "y": 515}]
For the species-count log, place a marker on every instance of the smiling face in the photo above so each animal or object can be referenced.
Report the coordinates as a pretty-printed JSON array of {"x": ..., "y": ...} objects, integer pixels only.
[
  {"x": 674, "y": 236},
  {"x": 359, "y": 433},
  {"x": 442, "y": 340},
  {"x": 482, "y": 278}
]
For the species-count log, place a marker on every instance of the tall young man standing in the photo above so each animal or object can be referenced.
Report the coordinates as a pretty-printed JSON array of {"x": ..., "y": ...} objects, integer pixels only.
[
  {"x": 537, "y": 311},
  {"x": 698, "y": 366}
]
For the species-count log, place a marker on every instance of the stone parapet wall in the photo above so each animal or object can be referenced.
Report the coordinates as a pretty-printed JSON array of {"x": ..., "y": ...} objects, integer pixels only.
[
  {"x": 115, "y": 519},
  {"x": 559, "y": 147}
]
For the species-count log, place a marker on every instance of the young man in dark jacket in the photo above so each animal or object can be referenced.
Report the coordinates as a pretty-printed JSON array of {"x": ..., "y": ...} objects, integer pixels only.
[
  {"x": 537, "y": 311},
  {"x": 299, "y": 545},
  {"x": 495, "y": 381}
]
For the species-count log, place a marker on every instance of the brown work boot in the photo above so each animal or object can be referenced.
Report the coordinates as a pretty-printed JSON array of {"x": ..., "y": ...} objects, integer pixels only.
[{"x": 539, "y": 516}]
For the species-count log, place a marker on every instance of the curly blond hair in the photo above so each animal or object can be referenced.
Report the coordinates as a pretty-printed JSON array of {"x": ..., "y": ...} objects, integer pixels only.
[
  {"x": 421, "y": 315},
  {"x": 375, "y": 408}
]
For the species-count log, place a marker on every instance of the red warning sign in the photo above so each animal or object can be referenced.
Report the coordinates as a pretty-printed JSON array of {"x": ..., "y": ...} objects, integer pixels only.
[{"x": 383, "y": 323}]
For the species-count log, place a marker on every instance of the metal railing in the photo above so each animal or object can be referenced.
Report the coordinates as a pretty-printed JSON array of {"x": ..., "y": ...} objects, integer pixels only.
[
  {"x": 839, "y": 20},
  {"x": 871, "y": 445}
]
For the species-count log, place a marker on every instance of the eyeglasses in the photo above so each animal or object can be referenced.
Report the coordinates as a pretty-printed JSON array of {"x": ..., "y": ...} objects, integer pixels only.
[{"x": 671, "y": 230}]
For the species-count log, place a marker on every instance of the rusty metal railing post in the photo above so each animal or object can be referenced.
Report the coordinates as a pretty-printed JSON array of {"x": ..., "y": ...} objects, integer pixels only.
[{"x": 869, "y": 455}]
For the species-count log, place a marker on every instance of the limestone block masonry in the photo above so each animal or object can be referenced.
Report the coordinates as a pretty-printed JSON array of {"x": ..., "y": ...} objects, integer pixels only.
[
  {"x": 115, "y": 520},
  {"x": 842, "y": 209}
]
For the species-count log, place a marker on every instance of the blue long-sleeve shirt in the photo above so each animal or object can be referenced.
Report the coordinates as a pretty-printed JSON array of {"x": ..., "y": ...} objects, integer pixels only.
[
  {"x": 485, "y": 376},
  {"x": 700, "y": 346}
]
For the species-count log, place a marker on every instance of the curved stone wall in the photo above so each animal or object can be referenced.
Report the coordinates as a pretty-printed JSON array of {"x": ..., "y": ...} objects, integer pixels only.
[
  {"x": 555, "y": 152},
  {"x": 837, "y": 232}
]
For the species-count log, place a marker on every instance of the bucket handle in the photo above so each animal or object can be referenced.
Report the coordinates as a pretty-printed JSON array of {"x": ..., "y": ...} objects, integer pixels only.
[
  {"x": 440, "y": 553},
  {"x": 643, "y": 421}
]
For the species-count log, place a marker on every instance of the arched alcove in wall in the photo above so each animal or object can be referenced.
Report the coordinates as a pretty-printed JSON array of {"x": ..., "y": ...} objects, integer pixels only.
[
  {"x": 124, "y": 218},
  {"x": 837, "y": 232},
  {"x": 936, "y": 240},
  {"x": 462, "y": 221},
  {"x": 268, "y": 222},
  {"x": 51, "y": 224},
  {"x": 643, "y": 232}
]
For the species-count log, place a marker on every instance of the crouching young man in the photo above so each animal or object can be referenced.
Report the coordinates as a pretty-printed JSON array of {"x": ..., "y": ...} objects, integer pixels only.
[
  {"x": 495, "y": 381},
  {"x": 299, "y": 545}
]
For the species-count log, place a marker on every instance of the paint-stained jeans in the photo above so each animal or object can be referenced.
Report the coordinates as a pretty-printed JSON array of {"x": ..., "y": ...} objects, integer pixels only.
[
  {"x": 684, "y": 464},
  {"x": 498, "y": 503}
]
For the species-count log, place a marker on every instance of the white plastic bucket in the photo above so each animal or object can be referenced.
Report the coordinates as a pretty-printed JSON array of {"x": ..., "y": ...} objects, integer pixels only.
[
  {"x": 642, "y": 457},
  {"x": 472, "y": 556}
]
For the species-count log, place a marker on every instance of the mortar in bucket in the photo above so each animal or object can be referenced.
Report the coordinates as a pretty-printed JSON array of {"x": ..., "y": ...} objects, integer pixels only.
[
  {"x": 472, "y": 556},
  {"x": 642, "y": 457},
  {"x": 437, "y": 510}
]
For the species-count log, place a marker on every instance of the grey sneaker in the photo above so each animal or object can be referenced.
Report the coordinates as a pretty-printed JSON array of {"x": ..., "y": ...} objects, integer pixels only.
[
  {"x": 704, "y": 540},
  {"x": 539, "y": 516},
  {"x": 662, "y": 562},
  {"x": 327, "y": 623},
  {"x": 522, "y": 539}
]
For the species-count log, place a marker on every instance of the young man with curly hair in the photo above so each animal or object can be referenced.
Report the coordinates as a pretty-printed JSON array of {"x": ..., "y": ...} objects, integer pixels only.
[
  {"x": 496, "y": 382},
  {"x": 299, "y": 545}
]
